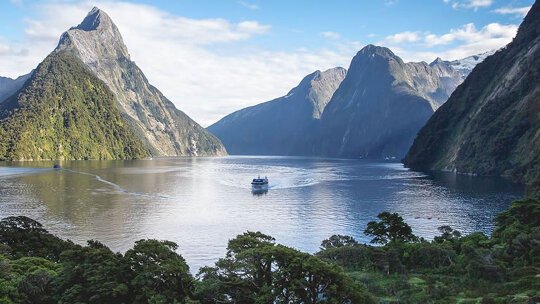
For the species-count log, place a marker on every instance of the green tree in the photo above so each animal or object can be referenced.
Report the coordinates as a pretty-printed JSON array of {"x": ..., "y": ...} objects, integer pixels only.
[
  {"x": 447, "y": 234},
  {"x": 338, "y": 240},
  {"x": 27, "y": 237},
  {"x": 255, "y": 270},
  {"x": 92, "y": 274},
  {"x": 157, "y": 273},
  {"x": 391, "y": 228}
]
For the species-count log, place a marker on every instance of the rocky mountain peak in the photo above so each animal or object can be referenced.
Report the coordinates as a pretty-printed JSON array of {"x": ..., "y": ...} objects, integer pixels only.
[
  {"x": 318, "y": 77},
  {"x": 96, "y": 18},
  {"x": 372, "y": 59},
  {"x": 165, "y": 130},
  {"x": 437, "y": 61},
  {"x": 323, "y": 86},
  {"x": 95, "y": 38},
  {"x": 371, "y": 50},
  {"x": 318, "y": 87}
]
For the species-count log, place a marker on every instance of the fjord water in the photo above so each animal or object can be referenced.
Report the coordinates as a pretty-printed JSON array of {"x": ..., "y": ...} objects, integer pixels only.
[{"x": 200, "y": 203}]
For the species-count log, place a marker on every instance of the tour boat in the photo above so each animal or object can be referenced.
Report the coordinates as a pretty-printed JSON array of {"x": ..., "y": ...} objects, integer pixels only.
[{"x": 259, "y": 184}]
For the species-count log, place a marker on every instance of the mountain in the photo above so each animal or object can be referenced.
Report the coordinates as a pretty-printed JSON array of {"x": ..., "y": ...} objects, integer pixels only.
[
  {"x": 64, "y": 112},
  {"x": 491, "y": 124},
  {"x": 165, "y": 130},
  {"x": 284, "y": 126},
  {"x": 9, "y": 86},
  {"x": 382, "y": 103},
  {"x": 467, "y": 64}
]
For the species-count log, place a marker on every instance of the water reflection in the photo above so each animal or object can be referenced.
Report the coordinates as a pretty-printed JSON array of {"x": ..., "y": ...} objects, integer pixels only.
[
  {"x": 200, "y": 203},
  {"x": 259, "y": 192}
]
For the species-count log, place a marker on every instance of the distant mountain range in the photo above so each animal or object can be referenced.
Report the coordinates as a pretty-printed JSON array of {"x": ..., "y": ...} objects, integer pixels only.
[
  {"x": 158, "y": 128},
  {"x": 491, "y": 124},
  {"x": 373, "y": 110},
  {"x": 467, "y": 64},
  {"x": 284, "y": 126},
  {"x": 9, "y": 86}
]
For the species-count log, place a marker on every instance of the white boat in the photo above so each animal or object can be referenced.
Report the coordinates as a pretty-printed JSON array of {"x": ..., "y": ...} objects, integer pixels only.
[{"x": 259, "y": 184}]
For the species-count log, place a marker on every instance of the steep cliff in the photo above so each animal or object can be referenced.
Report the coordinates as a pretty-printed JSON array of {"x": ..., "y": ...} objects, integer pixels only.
[
  {"x": 284, "y": 126},
  {"x": 165, "y": 130},
  {"x": 491, "y": 124},
  {"x": 382, "y": 103}
]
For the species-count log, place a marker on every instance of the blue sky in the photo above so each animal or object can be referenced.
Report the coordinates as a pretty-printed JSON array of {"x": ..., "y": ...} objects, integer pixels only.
[{"x": 213, "y": 57}]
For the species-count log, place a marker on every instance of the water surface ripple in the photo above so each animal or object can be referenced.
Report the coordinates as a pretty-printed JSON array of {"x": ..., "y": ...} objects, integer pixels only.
[{"x": 200, "y": 203}]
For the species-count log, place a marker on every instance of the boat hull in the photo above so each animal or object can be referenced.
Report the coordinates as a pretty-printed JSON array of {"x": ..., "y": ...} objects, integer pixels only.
[{"x": 259, "y": 187}]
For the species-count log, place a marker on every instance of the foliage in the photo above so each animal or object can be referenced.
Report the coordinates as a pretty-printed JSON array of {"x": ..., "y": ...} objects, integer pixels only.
[
  {"x": 256, "y": 270},
  {"x": 65, "y": 112},
  {"x": 157, "y": 273},
  {"x": 474, "y": 268},
  {"x": 92, "y": 274},
  {"x": 37, "y": 267},
  {"x": 390, "y": 229},
  {"x": 26, "y": 237},
  {"x": 336, "y": 241}
]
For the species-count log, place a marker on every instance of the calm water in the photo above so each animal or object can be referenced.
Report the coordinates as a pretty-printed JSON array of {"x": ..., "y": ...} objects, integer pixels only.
[{"x": 200, "y": 203}]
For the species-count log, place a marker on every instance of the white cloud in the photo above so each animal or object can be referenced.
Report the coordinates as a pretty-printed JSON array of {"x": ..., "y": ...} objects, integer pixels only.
[
  {"x": 197, "y": 63},
  {"x": 469, "y": 4},
  {"x": 519, "y": 11},
  {"x": 210, "y": 67},
  {"x": 407, "y": 36},
  {"x": 457, "y": 43},
  {"x": 469, "y": 34},
  {"x": 331, "y": 35},
  {"x": 249, "y": 5},
  {"x": 479, "y": 3}
]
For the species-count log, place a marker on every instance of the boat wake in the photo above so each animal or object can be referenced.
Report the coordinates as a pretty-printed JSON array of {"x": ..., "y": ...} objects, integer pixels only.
[
  {"x": 118, "y": 188},
  {"x": 283, "y": 177},
  {"x": 280, "y": 177},
  {"x": 10, "y": 171}
]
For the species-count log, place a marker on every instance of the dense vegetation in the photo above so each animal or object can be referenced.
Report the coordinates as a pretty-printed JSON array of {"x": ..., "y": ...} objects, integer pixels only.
[
  {"x": 37, "y": 267},
  {"x": 503, "y": 268},
  {"x": 65, "y": 112}
]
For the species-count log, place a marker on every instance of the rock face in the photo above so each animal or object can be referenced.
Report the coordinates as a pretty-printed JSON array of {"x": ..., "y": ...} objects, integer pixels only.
[
  {"x": 9, "y": 86},
  {"x": 491, "y": 124},
  {"x": 165, "y": 130},
  {"x": 374, "y": 111},
  {"x": 65, "y": 112},
  {"x": 382, "y": 103},
  {"x": 284, "y": 126}
]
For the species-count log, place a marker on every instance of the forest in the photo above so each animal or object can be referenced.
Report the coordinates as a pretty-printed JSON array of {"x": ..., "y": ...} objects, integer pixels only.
[{"x": 398, "y": 267}]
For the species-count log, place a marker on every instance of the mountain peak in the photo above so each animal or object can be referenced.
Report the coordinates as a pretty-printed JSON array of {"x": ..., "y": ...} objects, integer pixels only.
[
  {"x": 95, "y": 19},
  {"x": 438, "y": 60},
  {"x": 95, "y": 38},
  {"x": 374, "y": 50}
]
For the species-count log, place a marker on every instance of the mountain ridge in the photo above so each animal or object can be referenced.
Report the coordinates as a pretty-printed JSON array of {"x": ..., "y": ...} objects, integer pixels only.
[
  {"x": 433, "y": 83},
  {"x": 381, "y": 104},
  {"x": 65, "y": 112},
  {"x": 165, "y": 130},
  {"x": 9, "y": 86},
  {"x": 282, "y": 126},
  {"x": 490, "y": 125}
]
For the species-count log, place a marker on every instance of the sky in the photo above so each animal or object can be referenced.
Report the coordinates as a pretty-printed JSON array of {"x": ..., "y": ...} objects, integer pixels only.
[{"x": 213, "y": 57}]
